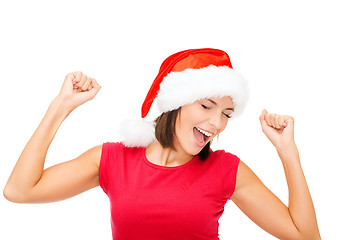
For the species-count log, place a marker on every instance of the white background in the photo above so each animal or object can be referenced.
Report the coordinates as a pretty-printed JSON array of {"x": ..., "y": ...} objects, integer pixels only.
[{"x": 288, "y": 50}]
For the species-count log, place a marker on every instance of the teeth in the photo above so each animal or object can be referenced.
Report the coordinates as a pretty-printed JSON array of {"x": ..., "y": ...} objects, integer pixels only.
[{"x": 204, "y": 132}]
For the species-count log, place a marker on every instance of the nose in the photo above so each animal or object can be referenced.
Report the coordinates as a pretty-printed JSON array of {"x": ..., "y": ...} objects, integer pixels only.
[{"x": 216, "y": 120}]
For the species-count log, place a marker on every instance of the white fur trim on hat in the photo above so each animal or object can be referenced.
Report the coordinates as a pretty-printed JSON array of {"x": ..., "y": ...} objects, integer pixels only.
[
  {"x": 137, "y": 133},
  {"x": 181, "y": 88}
]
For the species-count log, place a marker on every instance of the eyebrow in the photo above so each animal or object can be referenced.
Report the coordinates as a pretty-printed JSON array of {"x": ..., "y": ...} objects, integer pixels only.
[{"x": 216, "y": 104}]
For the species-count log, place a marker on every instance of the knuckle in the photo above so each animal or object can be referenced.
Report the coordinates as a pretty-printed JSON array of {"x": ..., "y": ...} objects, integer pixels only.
[
  {"x": 69, "y": 76},
  {"x": 79, "y": 74}
]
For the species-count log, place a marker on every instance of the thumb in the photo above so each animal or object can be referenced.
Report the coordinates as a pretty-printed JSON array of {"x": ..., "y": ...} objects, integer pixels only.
[
  {"x": 264, "y": 112},
  {"x": 263, "y": 122},
  {"x": 262, "y": 117}
]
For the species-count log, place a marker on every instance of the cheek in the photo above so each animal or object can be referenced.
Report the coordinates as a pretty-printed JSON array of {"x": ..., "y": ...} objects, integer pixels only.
[
  {"x": 183, "y": 126},
  {"x": 180, "y": 126},
  {"x": 224, "y": 126},
  {"x": 184, "y": 120},
  {"x": 193, "y": 115}
]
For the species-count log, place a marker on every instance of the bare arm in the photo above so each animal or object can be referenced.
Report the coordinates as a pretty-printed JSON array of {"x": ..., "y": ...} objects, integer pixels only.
[
  {"x": 298, "y": 220},
  {"x": 29, "y": 182}
]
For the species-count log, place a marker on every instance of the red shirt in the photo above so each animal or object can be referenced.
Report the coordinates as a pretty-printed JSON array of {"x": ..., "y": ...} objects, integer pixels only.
[{"x": 154, "y": 202}]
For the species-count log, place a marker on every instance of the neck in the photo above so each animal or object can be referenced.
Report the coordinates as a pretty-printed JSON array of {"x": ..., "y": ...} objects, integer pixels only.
[{"x": 156, "y": 154}]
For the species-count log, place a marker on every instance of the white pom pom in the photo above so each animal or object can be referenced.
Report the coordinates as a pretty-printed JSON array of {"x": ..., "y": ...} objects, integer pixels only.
[{"x": 137, "y": 133}]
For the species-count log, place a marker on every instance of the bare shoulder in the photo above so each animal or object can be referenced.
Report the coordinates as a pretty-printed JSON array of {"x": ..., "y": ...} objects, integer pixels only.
[{"x": 92, "y": 156}]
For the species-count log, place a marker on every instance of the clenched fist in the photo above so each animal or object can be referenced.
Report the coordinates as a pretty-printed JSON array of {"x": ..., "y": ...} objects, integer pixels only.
[
  {"x": 77, "y": 89},
  {"x": 279, "y": 129}
]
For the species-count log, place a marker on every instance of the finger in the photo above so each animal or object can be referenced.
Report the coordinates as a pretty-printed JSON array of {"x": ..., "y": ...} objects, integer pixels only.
[
  {"x": 288, "y": 121},
  {"x": 90, "y": 86},
  {"x": 82, "y": 81},
  {"x": 264, "y": 112},
  {"x": 77, "y": 77},
  {"x": 69, "y": 77},
  {"x": 73, "y": 77},
  {"x": 75, "y": 73},
  {"x": 262, "y": 119},
  {"x": 276, "y": 121},
  {"x": 262, "y": 116},
  {"x": 69, "y": 80},
  {"x": 282, "y": 121},
  {"x": 93, "y": 83},
  {"x": 268, "y": 120},
  {"x": 86, "y": 84},
  {"x": 96, "y": 87},
  {"x": 272, "y": 119}
]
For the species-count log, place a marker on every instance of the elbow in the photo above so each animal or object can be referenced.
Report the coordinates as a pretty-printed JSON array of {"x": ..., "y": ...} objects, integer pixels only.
[{"x": 14, "y": 195}]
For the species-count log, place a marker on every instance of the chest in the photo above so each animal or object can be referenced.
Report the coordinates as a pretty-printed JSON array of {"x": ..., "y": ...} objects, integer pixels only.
[{"x": 157, "y": 198}]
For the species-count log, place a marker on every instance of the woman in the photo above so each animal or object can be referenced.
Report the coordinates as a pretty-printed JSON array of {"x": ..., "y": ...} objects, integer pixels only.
[{"x": 162, "y": 179}]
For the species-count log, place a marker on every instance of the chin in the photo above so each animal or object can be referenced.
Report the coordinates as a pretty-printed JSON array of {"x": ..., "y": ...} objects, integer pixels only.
[
  {"x": 190, "y": 146},
  {"x": 193, "y": 150}
]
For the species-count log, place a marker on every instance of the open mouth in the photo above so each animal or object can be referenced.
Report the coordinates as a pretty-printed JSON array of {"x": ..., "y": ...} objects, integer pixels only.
[{"x": 201, "y": 136}]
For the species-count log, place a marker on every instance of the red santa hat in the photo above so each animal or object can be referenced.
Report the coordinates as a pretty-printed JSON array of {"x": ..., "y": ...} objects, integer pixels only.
[{"x": 184, "y": 78}]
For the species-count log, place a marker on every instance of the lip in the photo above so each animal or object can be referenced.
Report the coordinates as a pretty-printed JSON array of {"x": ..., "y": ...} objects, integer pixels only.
[
  {"x": 201, "y": 144},
  {"x": 205, "y": 130}
]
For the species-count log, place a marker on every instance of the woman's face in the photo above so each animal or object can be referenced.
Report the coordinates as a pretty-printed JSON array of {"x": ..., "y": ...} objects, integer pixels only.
[{"x": 199, "y": 122}]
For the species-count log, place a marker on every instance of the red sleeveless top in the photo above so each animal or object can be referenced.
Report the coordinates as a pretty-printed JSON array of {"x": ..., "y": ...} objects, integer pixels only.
[{"x": 154, "y": 202}]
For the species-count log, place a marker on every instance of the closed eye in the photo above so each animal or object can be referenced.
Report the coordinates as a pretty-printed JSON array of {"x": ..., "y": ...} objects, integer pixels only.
[
  {"x": 227, "y": 115},
  {"x": 205, "y": 107}
]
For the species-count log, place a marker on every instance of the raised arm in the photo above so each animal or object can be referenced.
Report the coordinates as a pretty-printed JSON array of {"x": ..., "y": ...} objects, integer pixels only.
[
  {"x": 298, "y": 220},
  {"x": 29, "y": 182}
]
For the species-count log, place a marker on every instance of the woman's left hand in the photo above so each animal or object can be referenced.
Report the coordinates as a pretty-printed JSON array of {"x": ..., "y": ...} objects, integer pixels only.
[{"x": 279, "y": 129}]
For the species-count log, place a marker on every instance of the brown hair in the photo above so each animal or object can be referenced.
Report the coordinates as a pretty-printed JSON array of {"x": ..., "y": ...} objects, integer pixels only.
[{"x": 165, "y": 132}]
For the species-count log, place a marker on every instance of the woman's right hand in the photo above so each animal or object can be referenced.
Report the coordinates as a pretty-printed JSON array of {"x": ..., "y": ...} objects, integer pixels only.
[{"x": 77, "y": 89}]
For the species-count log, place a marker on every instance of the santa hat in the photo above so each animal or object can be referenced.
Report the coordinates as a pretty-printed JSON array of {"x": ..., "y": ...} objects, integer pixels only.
[{"x": 184, "y": 78}]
